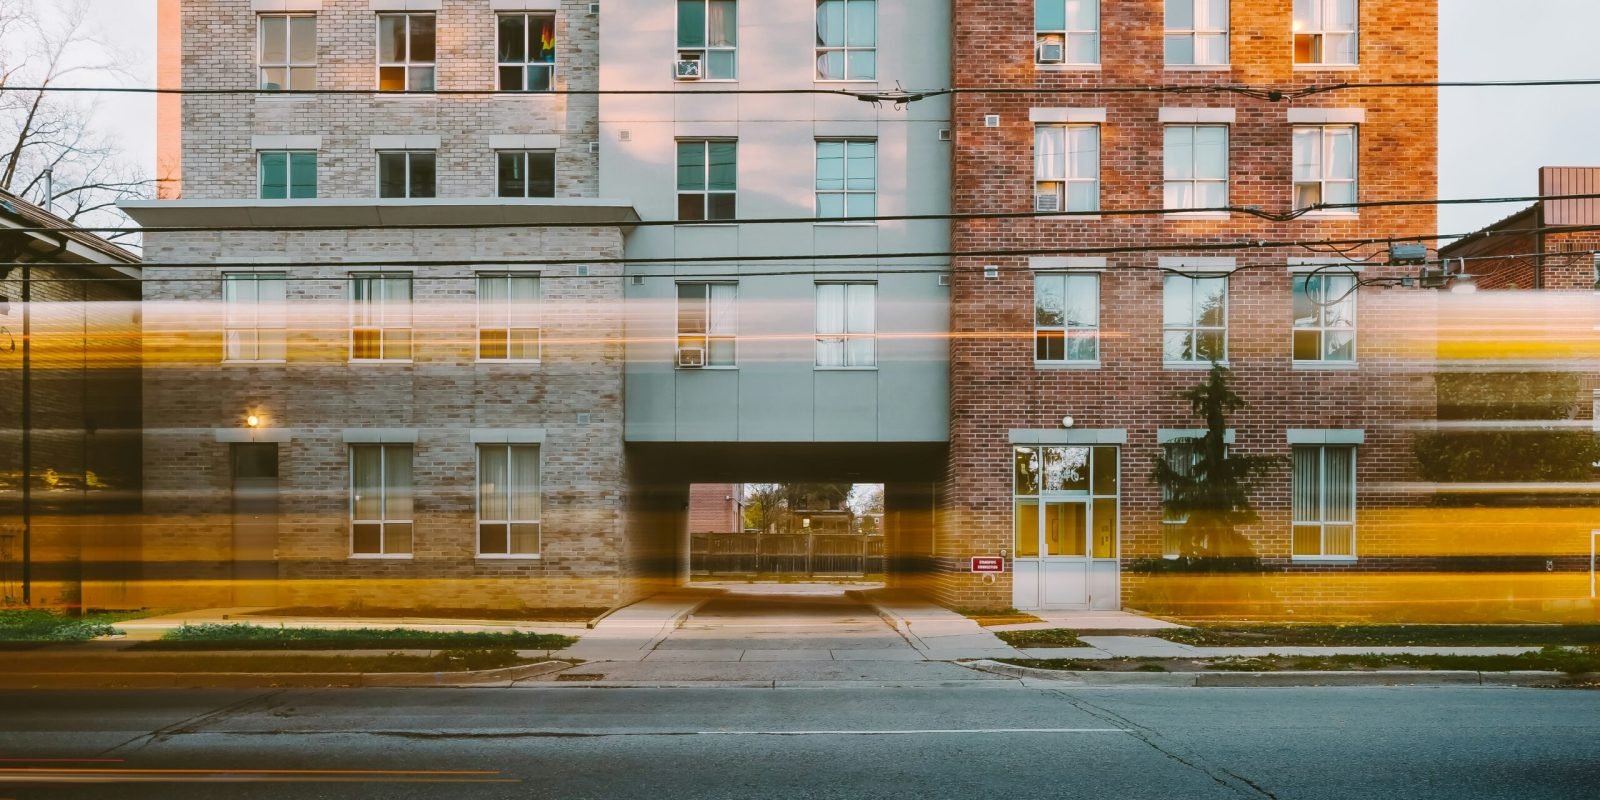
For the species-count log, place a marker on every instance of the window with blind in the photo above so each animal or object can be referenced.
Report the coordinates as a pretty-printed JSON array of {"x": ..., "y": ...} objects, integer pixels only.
[
  {"x": 1324, "y": 165},
  {"x": 1325, "y": 32},
  {"x": 847, "y": 325},
  {"x": 1324, "y": 502},
  {"x": 708, "y": 322},
  {"x": 1181, "y": 456},
  {"x": 508, "y": 317},
  {"x": 380, "y": 317},
  {"x": 708, "y": 31},
  {"x": 1066, "y": 168},
  {"x": 254, "y": 326},
  {"x": 381, "y": 491},
  {"x": 1196, "y": 166},
  {"x": 1066, "y": 318},
  {"x": 287, "y": 51},
  {"x": 508, "y": 501}
]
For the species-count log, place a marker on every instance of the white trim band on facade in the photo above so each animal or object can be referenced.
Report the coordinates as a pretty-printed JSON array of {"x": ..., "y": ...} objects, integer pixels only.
[
  {"x": 1197, "y": 263},
  {"x": 1214, "y": 116},
  {"x": 1058, "y": 263},
  {"x": 1069, "y": 436},
  {"x": 286, "y": 142},
  {"x": 380, "y": 436},
  {"x": 1067, "y": 115},
  {"x": 529, "y": 141},
  {"x": 524, "y": 5},
  {"x": 270, "y": 6},
  {"x": 507, "y": 435},
  {"x": 408, "y": 142},
  {"x": 691, "y": 129},
  {"x": 1324, "y": 116},
  {"x": 1170, "y": 435},
  {"x": 1325, "y": 436},
  {"x": 847, "y": 129},
  {"x": 405, "y": 5},
  {"x": 252, "y": 435}
]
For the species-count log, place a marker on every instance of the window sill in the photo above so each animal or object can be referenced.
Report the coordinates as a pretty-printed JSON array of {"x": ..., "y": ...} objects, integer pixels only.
[
  {"x": 408, "y": 95},
  {"x": 1191, "y": 365},
  {"x": 701, "y": 223},
  {"x": 1327, "y": 366},
  {"x": 1331, "y": 215},
  {"x": 284, "y": 97},
  {"x": 1326, "y": 67},
  {"x": 1066, "y": 67},
  {"x": 855, "y": 81},
  {"x": 1199, "y": 67},
  {"x": 845, "y": 224},
  {"x": 514, "y": 557},
  {"x": 1067, "y": 216},
  {"x": 1180, "y": 215},
  {"x": 513, "y": 361},
  {"x": 845, "y": 369},
  {"x": 1067, "y": 365},
  {"x": 1322, "y": 559},
  {"x": 381, "y": 557},
  {"x": 239, "y": 362},
  {"x": 365, "y": 361},
  {"x": 733, "y": 368}
]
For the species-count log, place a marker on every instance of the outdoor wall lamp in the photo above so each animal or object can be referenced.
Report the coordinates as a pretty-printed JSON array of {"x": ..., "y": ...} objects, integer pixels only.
[{"x": 253, "y": 421}]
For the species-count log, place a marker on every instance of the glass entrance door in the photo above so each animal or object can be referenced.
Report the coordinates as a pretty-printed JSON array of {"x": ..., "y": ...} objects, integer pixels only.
[{"x": 1065, "y": 528}]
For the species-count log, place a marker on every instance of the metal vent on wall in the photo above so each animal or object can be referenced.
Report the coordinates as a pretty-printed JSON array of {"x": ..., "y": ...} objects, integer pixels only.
[
  {"x": 991, "y": 120},
  {"x": 944, "y": 280},
  {"x": 583, "y": 271},
  {"x": 594, "y": 8},
  {"x": 944, "y": 134},
  {"x": 637, "y": 280}
]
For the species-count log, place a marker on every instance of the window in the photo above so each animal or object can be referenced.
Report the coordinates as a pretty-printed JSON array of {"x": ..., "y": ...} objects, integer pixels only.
[
  {"x": 406, "y": 173},
  {"x": 380, "y": 500},
  {"x": 1182, "y": 456},
  {"x": 1066, "y": 168},
  {"x": 1197, "y": 32},
  {"x": 253, "y": 316},
  {"x": 508, "y": 500},
  {"x": 708, "y": 325},
  {"x": 1325, "y": 318},
  {"x": 288, "y": 174},
  {"x": 1065, "y": 500},
  {"x": 1324, "y": 165},
  {"x": 847, "y": 40},
  {"x": 1325, "y": 32},
  {"x": 1066, "y": 318},
  {"x": 526, "y": 173},
  {"x": 707, "y": 179},
  {"x": 708, "y": 31},
  {"x": 1066, "y": 31},
  {"x": 1195, "y": 319},
  {"x": 1196, "y": 166},
  {"x": 380, "y": 317},
  {"x": 847, "y": 179},
  {"x": 1325, "y": 502},
  {"x": 287, "y": 50},
  {"x": 1597, "y": 273},
  {"x": 508, "y": 317},
  {"x": 405, "y": 52},
  {"x": 527, "y": 52},
  {"x": 846, "y": 325}
]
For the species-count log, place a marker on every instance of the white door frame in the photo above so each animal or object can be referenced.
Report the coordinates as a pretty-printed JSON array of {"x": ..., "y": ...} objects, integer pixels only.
[{"x": 1594, "y": 563}]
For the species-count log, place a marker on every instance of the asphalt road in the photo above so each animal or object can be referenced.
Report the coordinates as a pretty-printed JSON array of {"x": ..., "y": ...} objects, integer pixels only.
[{"x": 1007, "y": 742}]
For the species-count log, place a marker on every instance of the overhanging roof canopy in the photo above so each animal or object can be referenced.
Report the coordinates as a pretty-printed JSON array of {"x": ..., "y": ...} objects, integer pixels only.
[{"x": 379, "y": 213}]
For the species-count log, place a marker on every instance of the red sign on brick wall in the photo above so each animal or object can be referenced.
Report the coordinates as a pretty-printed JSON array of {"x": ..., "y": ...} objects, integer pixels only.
[{"x": 988, "y": 564}]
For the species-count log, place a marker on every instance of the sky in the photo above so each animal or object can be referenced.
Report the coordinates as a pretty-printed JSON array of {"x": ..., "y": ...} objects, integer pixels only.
[{"x": 1492, "y": 141}]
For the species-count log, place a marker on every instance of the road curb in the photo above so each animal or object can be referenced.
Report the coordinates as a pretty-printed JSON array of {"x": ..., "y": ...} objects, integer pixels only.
[
  {"x": 504, "y": 676},
  {"x": 1283, "y": 679}
]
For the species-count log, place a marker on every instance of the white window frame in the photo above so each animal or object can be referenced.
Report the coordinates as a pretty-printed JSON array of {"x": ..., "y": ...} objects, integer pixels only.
[
  {"x": 849, "y": 50},
  {"x": 1596, "y": 273},
  {"x": 1064, "y": 37},
  {"x": 1043, "y": 496},
  {"x": 717, "y": 328},
  {"x": 289, "y": 65},
  {"x": 407, "y": 64},
  {"x": 1325, "y": 12},
  {"x": 538, "y": 493},
  {"x": 1193, "y": 34},
  {"x": 706, "y": 51},
  {"x": 1194, "y": 328},
  {"x": 536, "y": 329},
  {"x": 1045, "y": 176},
  {"x": 1193, "y": 181},
  {"x": 1178, "y": 451},
  {"x": 706, "y": 192},
  {"x": 1321, "y": 326},
  {"x": 1065, "y": 333},
  {"x": 1323, "y": 181},
  {"x": 274, "y": 329},
  {"x": 288, "y": 175},
  {"x": 410, "y": 155},
  {"x": 528, "y": 18},
  {"x": 845, "y": 336},
  {"x": 845, "y": 192},
  {"x": 382, "y": 309},
  {"x": 527, "y": 155},
  {"x": 383, "y": 522},
  {"x": 1323, "y": 522}
]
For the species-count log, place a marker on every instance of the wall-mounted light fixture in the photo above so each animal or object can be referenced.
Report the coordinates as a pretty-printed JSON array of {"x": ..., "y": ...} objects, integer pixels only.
[{"x": 252, "y": 421}]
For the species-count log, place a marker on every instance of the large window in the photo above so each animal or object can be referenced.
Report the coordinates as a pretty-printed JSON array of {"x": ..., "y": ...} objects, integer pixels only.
[
  {"x": 1324, "y": 165},
  {"x": 526, "y": 56},
  {"x": 1066, "y": 318},
  {"x": 1065, "y": 501},
  {"x": 847, "y": 325},
  {"x": 708, "y": 32},
  {"x": 508, "y": 501},
  {"x": 1066, "y": 31},
  {"x": 847, "y": 40},
  {"x": 1325, "y": 502},
  {"x": 1325, "y": 318},
  {"x": 1197, "y": 32},
  {"x": 287, "y": 51},
  {"x": 1066, "y": 168},
  {"x": 1325, "y": 32},
  {"x": 847, "y": 179},
  {"x": 1196, "y": 166},
  {"x": 1195, "y": 319},
  {"x": 508, "y": 317},
  {"x": 707, "y": 180},
  {"x": 287, "y": 174},
  {"x": 406, "y": 52},
  {"x": 1181, "y": 455},
  {"x": 525, "y": 173},
  {"x": 380, "y": 317},
  {"x": 381, "y": 490},
  {"x": 708, "y": 325},
  {"x": 407, "y": 173},
  {"x": 253, "y": 316}
]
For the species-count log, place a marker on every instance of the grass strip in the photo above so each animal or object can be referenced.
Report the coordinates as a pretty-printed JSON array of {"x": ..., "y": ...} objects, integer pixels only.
[
  {"x": 987, "y": 617},
  {"x": 1045, "y": 637},
  {"x": 448, "y": 661},
  {"x": 30, "y": 625},
  {"x": 576, "y": 614},
  {"x": 1227, "y": 634},
  {"x": 1550, "y": 659},
  {"x": 241, "y": 636}
]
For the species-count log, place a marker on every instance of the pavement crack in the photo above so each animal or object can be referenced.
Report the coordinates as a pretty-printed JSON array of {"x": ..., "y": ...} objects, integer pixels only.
[{"x": 259, "y": 702}]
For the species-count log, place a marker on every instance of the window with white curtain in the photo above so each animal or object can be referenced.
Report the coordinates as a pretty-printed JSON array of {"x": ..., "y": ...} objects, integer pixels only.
[
  {"x": 1066, "y": 31},
  {"x": 847, "y": 325},
  {"x": 381, "y": 491},
  {"x": 1325, "y": 32},
  {"x": 708, "y": 30},
  {"x": 708, "y": 321},
  {"x": 287, "y": 51},
  {"x": 1197, "y": 32},
  {"x": 1325, "y": 318},
  {"x": 508, "y": 317},
  {"x": 1066, "y": 318},
  {"x": 253, "y": 316},
  {"x": 508, "y": 501},
  {"x": 847, "y": 178},
  {"x": 380, "y": 316},
  {"x": 406, "y": 52},
  {"x": 1324, "y": 503},
  {"x": 1195, "y": 319},
  {"x": 847, "y": 40},
  {"x": 1196, "y": 165},
  {"x": 1324, "y": 165},
  {"x": 1066, "y": 167}
]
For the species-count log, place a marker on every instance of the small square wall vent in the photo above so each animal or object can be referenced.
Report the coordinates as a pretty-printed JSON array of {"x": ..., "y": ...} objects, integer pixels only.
[
  {"x": 991, "y": 271},
  {"x": 594, "y": 8},
  {"x": 991, "y": 120},
  {"x": 583, "y": 270},
  {"x": 624, "y": 136},
  {"x": 585, "y": 419},
  {"x": 944, "y": 280},
  {"x": 637, "y": 280},
  {"x": 944, "y": 134},
  {"x": 594, "y": 148}
]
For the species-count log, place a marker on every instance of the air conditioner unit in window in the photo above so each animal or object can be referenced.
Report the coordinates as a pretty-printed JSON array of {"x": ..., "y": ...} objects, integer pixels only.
[
  {"x": 1047, "y": 201},
  {"x": 1052, "y": 52},
  {"x": 687, "y": 69},
  {"x": 691, "y": 356}
]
